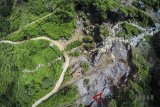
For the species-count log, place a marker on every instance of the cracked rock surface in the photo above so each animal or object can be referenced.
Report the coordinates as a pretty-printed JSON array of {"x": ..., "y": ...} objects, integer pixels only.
[{"x": 112, "y": 69}]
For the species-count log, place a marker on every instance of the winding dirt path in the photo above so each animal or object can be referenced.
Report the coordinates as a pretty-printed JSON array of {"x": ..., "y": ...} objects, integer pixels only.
[{"x": 66, "y": 65}]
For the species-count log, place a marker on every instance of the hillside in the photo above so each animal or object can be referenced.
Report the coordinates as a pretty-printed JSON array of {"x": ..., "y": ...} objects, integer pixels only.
[{"x": 64, "y": 53}]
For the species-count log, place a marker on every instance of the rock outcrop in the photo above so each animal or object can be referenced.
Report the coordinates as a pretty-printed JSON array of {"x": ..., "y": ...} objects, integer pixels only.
[{"x": 111, "y": 70}]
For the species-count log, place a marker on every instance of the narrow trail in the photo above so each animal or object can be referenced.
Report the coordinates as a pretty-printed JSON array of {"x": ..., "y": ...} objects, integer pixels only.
[
  {"x": 37, "y": 20},
  {"x": 61, "y": 78},
  {"x": 29, "y": 24}
]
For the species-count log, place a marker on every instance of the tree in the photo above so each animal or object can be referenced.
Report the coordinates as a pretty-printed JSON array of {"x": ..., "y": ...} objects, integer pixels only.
[
  {"x": 5, "y": 12},
  {"x": 88, "y": 39}
]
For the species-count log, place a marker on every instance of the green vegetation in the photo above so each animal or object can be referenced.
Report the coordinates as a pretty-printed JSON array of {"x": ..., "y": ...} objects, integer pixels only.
[
  {"x": 22, "y": 88},
  {"x": 139, "y": 87},
  {"x": 65, "y": 97},
  {"x": 151, "y": 4},
  {"x": 84, "y": 65},
  {"x": 89, "y": 46},
  {"x": 67, "y": 75},
  {"x": 23, "y": 81},
  {"x": 74, "y": 44},
  {"x": 88, "y": 39},
  {"x": 33, "y": 86},
  {"x": 112, "y": 103},
  {"x": 97, "y": 8},
  {"x": 104, "y": 31},
  {"x": 129, "y": 31},
  {"x": 101, "y": 10},
  {"x": 59, "y": 21},
  {"x": 75, "y": 54},
  {"x": 5, "y": 13},
  {"x": 137, "y": 15},
  {"x": 124, "y": 10},
  {"x": 147, "y": 38},
  {"x": 27, "y": 11},
  {"x": 81, "y": 105},
  {"x": 89, "y": 42}
]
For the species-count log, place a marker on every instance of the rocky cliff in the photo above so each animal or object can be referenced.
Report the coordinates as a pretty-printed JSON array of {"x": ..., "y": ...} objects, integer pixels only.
[{"x": 112, "y": 67}]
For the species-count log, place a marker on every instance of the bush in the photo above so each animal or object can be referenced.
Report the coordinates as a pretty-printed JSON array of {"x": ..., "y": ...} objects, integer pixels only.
[
  {"x": 75, "y": 54},
  {"x": 98, "y": 9},
  {"x": 130, "y": 30},
  {"x": 85, "y": 66},
  {"x": 132, "y": 13},
  {"x": 89, "y": 46},
  {"x": 88, "y": 39},
  {"x": 74, "y": 44},
  {"x": 147, "y": 38},
  {"x": 5, "y": 12},
  {"x": 104, "y": 31}
]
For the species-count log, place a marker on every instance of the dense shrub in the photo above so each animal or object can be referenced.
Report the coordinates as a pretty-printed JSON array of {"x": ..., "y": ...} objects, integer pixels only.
[
  {"x": 104, "y": 31},
  {"x": 139, "y": 88},
  {"x": 85, "y": 66},
  {"x": 97, "y": 8},
  {"x": 74, "y": 44},
  {"x": 58, "y": 24},
  {"x": 88, "y": 39},
  {"x": 75, "y": 54},
  {"x": 66, "y": 97},
  {"x": 135, "y": 14},
  {"x": 5, "y": 12},
  {"x": 130, "y": 30},
  {"x": 152, "y": 3},
  {"x": 89, "y": 46}
]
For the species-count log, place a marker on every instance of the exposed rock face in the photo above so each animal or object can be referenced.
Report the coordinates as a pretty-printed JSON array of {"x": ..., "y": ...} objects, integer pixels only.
[{"x": 111, "y": 70}]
